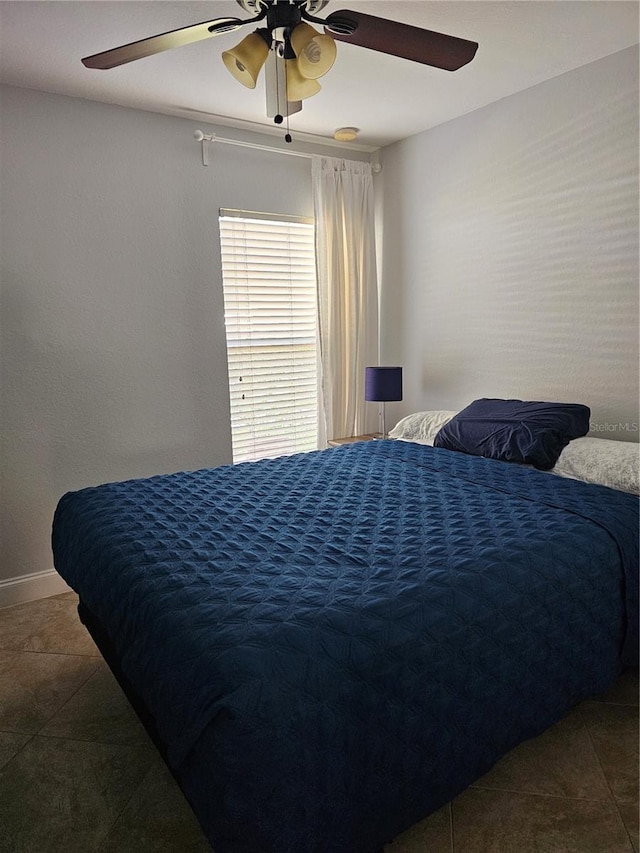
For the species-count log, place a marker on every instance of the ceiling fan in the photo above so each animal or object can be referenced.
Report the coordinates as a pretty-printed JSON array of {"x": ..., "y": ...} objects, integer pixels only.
[{"x": 294, "y": 52}]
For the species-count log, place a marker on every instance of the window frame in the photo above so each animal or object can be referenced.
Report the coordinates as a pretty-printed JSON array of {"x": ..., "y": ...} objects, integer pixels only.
[{"x": 267, "y": 421}]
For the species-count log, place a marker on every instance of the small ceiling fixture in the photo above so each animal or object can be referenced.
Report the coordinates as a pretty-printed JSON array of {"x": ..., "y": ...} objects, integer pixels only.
[
  {"x": 346, "y": 134},
  {"x": 293, "y": 53}
]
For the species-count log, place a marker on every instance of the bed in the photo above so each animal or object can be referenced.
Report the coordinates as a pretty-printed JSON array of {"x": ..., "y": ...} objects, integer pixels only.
[{"x": 330, "y": 646}]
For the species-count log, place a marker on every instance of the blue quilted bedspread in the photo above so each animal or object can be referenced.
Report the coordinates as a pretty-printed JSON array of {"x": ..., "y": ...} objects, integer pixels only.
[{"x": 335, "y": 644}]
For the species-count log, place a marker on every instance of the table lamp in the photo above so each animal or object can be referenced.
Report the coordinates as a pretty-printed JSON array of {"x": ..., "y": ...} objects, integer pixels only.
[{"x": 383, "y": 385}]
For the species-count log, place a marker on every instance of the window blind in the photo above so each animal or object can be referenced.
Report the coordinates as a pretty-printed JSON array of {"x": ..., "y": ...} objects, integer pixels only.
[{"x": 270, "y": 309}]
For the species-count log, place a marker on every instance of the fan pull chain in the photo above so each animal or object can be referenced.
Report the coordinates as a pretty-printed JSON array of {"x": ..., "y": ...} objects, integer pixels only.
[
  {"x": 287, "y": 54},
  {"x": 278, "y": 119}
]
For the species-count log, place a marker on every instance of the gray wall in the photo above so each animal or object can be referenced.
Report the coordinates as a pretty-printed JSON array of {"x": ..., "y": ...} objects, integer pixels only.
[
  {"x": 510, "y": 250},
  {"x": 509, "y": 268},
  {"x": 113, "y": 344}
]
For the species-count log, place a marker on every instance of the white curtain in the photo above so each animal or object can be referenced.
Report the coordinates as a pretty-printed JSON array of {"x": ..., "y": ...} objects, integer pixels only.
[{"x": 347, "y": 294}]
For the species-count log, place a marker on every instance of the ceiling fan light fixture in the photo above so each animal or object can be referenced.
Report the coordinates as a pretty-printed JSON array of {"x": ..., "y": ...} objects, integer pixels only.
[
  {"x": 245, "y": 60},
  {"x": 315, "y": 51},
  {"x": 297, "y": 70},
  {"x": 298, "y": 87}
]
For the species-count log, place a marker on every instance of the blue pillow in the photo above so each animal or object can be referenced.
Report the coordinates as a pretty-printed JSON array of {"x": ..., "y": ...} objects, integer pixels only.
[{"x": 530, "y": 433}]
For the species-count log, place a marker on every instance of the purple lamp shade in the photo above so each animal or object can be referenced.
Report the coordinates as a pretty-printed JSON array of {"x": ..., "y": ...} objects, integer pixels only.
[{"x": 383, "y": 384}]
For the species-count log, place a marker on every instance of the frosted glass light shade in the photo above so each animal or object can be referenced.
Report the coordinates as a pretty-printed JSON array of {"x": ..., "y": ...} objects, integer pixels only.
[
  {"x": 299, "y": 87},
  {"x": 315, "y": 51},
  {"x": 346, "y": 134},
  {"x": 245, "y": 60}
]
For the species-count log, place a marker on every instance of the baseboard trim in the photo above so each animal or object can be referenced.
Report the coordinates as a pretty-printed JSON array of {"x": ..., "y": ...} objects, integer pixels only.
[{"x": 30, "y": 587}]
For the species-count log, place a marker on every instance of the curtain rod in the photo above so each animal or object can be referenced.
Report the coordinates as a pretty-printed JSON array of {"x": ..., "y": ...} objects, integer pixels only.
[{"x": 199, "y": 136}]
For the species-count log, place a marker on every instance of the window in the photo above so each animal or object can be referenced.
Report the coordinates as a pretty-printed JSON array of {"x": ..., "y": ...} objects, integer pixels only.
[{"x": 270, "y": 310}]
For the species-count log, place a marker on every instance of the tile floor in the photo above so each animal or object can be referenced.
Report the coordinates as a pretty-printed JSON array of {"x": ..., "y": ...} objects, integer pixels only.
[{"x": 78, "y": 772}]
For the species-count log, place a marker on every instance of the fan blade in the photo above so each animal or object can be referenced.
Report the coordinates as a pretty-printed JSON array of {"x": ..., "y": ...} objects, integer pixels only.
[
  {"x": 430, "y": 48},
  {"x": 164, "y": 41}
]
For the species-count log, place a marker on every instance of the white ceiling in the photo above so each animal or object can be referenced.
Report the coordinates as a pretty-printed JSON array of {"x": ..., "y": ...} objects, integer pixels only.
[{"x": 521, "y": 43}]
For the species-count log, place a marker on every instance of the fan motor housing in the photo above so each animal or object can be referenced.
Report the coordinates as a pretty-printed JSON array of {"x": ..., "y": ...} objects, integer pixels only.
[{"x": 254, "y": 7}]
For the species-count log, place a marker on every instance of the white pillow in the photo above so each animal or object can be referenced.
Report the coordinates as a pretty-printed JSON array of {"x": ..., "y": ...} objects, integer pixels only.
[
  {"x": 599, "y": 460},
  {"x": 421, "y": 427}
]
